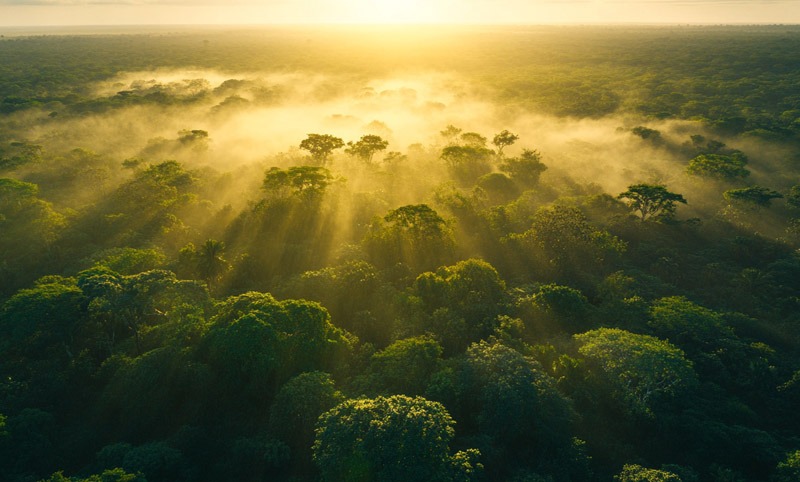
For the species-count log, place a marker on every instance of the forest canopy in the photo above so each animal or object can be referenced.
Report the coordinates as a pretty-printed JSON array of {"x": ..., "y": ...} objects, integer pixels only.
[{"x": 453, "y": 254}]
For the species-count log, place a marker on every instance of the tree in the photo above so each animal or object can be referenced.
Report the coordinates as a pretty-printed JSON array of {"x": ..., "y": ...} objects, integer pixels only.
[
  {"x": 258, "y": 341},
  {"x": 393, "y": 439},
  {"x": 719, "y": 166},
  {"x": 503, "y": 140},
  {"x": 471, "y": 292},
  {"x": 652, "y": 201},
  {"x": 404, "y": 367},
  {"x": 525, "y": 169},
  {"x": 210, "y": 261},
  {"x": 751, "y": 196},
  {"x": 467, "y": 163},
  {"x": 366, "y": 147},
  {"x": 646, "y": 133},
  {"x": 497, "y": 393},
  {"x": 789, "y": 469},
  {"x": 320, "y": 146},
  {"x": 414, "y": 234},
  {"x": 307, "y": 182},
  {"x": 473, "y": 139},
  {"x": 561, "y": 242},
  {"x": 637, "y": 473},
  {"x": 450, "y": 133},
  {"x": 298, "y": 405},
  {"x": 112, "y": 475},
  {"x": 640, "y": 369}
]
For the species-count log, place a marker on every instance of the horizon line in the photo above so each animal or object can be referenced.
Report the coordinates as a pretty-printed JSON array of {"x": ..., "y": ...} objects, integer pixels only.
[{"x": 407, "y": 24}]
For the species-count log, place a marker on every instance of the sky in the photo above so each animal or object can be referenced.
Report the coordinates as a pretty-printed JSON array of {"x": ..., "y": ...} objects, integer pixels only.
[{"x": 19, "y": 13}]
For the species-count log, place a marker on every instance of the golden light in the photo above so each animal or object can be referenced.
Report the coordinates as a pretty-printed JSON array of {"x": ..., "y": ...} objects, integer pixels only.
[{"x": 394, "y": 11}]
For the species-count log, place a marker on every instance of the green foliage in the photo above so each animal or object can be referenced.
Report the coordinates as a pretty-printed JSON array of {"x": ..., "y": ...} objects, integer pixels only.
[
  {"x": 321, "y": 146},
  {"x": 413, "y": 234},
  {"x": 471, "y": 291},
  {"x": 306, "y": 182},
  {"x": 561, "y": 242},
  {"x": 298, "y": 405},
  {"x": 788, "y": 469},
  {"x": 687, "y": 324},
  {"x": 468, "y": 162},
  {"x": 652, "y": 201},
  {"x": 366, "y": 147},
  {"x": 503, "y": 140},
  {"x": 392, "y": 439},
  {"x": 126, "y": 367},
  {"x": 753, "y": 195},
  {"x": 719, "y": 166},
  {"x": 128, "y": 261},
  {"x": 646, "y": 133},
  {"x": 637, "y": 473},
  {"x": 641, "y": 369},
  {"x": 495, "y": 391},
  {"x": 526, "y": 169},
  {"x": 404, "y": 367},
  {"x": 555, "y": 308},
  {"x": 111, "y": 475},
  {"x": 205, "y": 262},
  {"x": 257, "y": 341}
]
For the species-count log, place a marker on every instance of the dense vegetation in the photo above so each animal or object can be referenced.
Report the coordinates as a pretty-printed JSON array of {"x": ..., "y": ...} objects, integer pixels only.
[{"x": 220, "y": 261}]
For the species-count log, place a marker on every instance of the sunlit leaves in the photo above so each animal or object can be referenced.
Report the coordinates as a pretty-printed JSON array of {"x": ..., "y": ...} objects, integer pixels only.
[
  {"x": 306, "y": 182},
  {"x": 503, "y": 140},
  {"x": 392, "y": 439},
  {"x": 641, "y": 369},
  {"x": 366, "y": 147},
  {"x": 524, "y": 169},
  {"x": 414, "y": 234},
  {"x": 321, "y": 146},
  {"x": 719, "y": 166},
  {"x": 637, "y": 473},
  {"x": 652, "y": 201},
  {"x": 257, "y": 338}
]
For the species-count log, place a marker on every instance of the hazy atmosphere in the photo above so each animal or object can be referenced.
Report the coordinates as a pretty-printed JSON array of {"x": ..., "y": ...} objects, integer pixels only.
[
  {"x": 410, "y": 241},
  {"x": 111, "y": 12}
]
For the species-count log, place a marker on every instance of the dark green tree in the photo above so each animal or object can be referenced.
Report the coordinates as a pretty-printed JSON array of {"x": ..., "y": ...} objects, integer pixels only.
[
  {"x": 298, "y": 405},
  {"x": 404, "y": 367},
  {"x": 754, "y": 196},
  {"x": 639, "y": 369},
  {"x": 652, "y": 201},
  {"x": 719, "y": 166}
]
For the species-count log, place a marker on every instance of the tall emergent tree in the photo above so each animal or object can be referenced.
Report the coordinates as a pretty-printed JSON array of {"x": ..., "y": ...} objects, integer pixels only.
[
  {"x": 366, "y": 147},
  {"x": 503, "y": 140},
  {"x": 320, "y": 146},
  {"x": 300, "y": 181},
  {"x": 652, "y": 201}
]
